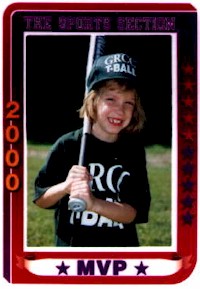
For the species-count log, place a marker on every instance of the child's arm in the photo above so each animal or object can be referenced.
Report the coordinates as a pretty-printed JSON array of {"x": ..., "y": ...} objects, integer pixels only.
[
  {"x": 117, "y": 212},
  {"x": 58, "y": 191},
  {"x": 52, "y": 196}
]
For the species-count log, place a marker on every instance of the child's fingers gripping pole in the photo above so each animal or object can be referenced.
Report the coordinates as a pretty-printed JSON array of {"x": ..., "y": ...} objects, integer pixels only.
[{"x": 96, "y": 49}]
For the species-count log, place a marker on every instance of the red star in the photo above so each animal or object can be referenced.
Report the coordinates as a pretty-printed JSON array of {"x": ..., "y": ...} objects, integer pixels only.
[
  {"x": 188, "y": 101},
  {"x": 188, "y": 135},
  {"x": 188, "y": 69},
  {"x": 188, "y": 85},
  {"x": 188, "y": 118}
]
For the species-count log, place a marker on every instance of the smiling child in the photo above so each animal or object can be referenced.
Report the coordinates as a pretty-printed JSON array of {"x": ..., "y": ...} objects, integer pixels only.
[{"x": 114, "y": 182}]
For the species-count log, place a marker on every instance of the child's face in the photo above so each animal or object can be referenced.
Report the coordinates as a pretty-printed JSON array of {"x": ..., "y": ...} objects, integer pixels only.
[{"x": 115, "y": 108}]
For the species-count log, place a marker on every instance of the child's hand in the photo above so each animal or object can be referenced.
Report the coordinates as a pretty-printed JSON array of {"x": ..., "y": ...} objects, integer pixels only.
[
  {"x": 76, "y": 173},
  {"x": 80, "y": 189}
]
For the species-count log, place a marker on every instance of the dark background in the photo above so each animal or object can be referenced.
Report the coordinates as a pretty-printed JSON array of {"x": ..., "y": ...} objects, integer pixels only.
[{"x": 55, "y": 83}]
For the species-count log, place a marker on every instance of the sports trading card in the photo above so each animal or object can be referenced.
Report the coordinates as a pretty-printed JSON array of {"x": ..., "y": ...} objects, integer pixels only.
[{"x": 49, "y": 51}]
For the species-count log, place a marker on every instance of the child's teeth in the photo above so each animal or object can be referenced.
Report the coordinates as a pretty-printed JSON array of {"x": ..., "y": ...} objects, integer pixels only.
[{"x": 115, "y": 120}]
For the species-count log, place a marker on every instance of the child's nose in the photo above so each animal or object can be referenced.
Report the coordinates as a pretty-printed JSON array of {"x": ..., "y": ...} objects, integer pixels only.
[{"x": 120, "y": 107}]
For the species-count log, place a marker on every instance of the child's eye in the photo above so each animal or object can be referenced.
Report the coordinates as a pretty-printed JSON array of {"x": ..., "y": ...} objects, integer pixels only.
[
  {"x": 129, "y": 103},
  {"x": 110, "y": 99}
]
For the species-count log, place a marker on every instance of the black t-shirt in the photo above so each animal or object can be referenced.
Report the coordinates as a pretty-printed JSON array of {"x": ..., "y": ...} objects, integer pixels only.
[{"x": 119, "y": 175}]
